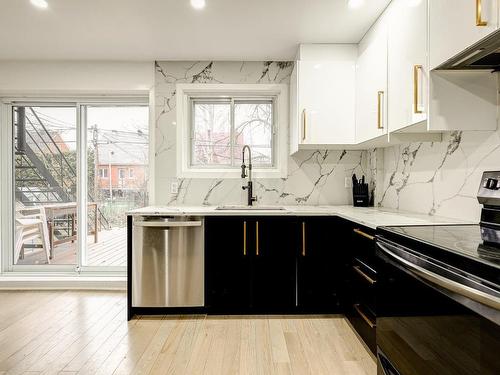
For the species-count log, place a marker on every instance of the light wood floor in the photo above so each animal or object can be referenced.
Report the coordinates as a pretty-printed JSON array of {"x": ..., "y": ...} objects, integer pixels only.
[{"x": 86, "y": 332}]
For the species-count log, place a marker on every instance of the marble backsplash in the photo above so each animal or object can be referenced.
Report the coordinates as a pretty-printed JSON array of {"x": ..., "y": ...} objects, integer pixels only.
[
  {"x": 313, "y": 177},
  {"x": 437, "y": 178}
]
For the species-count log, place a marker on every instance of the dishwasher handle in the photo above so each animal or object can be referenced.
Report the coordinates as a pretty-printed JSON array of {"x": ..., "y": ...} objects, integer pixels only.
[{"x": 168, "y": 224}]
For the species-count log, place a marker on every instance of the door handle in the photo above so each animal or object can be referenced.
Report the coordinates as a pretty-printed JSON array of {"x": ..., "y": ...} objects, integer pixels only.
[
  {"x": 379, "y": 110},
  {"x": 416, "y": 68},
  {"x": 479, "y": 11},
  {"x": 244, "y": 238},
  {"x": 304, "y": 124},
  {"x": 257, "y": 238},
  {"x": 166, "y": 224},
  {"x": 303, "y": 238},
  {"x": 443, "y": 282}
]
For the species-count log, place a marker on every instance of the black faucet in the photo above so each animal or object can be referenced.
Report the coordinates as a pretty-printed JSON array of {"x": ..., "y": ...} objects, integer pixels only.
[{"x": 249, "y": 185}]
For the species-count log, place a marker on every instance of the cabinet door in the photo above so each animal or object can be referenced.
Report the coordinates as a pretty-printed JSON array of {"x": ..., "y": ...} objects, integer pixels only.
[
  {"x": 273, "y": 274},
  {"x": 454, "y": 26},
  {"x": 319, "y": 265},
  {"x": 326, "y": 104},
  {"x": 407, "y": 66},
  {"x": 371, "y": 84},
  {"x": 227, "y": 264}
]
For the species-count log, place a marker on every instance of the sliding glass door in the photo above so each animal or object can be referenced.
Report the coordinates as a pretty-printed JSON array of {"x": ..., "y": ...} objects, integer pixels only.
[
  {"x": 76, "y": 165},
  {"x": 117, "y": 178}
]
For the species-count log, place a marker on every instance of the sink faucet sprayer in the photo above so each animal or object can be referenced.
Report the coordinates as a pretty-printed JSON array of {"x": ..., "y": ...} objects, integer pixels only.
[{"x": 249, "y": 185}]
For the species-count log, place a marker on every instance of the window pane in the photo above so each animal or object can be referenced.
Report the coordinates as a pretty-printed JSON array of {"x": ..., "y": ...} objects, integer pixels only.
[
  {"x": 45, "y": 185},
  {"x": 211, "y": 134},
  {"x": 253, "y": 127},
  {"x": 118, "y": 145}
]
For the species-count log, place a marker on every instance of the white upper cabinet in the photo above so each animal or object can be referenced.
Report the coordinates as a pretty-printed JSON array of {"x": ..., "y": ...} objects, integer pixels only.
[
  {"x": 322, "y": 97},
  {"x": 457, "y": 24},
  {"x": 408, "y": 80},
  {"x": 371, "y": 84}
]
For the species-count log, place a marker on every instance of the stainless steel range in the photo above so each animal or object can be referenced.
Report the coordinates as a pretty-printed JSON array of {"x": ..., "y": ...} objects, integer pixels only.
[{"x": 439, "y": 302}]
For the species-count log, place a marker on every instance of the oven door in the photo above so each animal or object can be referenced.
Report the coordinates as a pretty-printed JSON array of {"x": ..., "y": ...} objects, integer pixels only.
[{"x": 433, "y": 320}]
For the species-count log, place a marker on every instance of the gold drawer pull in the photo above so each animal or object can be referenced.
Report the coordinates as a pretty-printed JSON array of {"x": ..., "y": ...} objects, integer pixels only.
[
  {"x": 244, "y": 238},
  {"x": 304, "y": 124},
  {"x": 361, "y": 233},
  {"x": 479, "y": 11},
  {"x": 364, "y": 316},
  {"x": 379, "y": 110},
  {"x": 257, "y": 238},
  {"x": 416, "y": 68},
  {"x": 303, "y": 239},
  {"x": 364, "y": 275}
]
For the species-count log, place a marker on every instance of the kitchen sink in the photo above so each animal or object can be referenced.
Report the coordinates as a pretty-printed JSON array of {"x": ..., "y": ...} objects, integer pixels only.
[{"x": 256, "y": 208}]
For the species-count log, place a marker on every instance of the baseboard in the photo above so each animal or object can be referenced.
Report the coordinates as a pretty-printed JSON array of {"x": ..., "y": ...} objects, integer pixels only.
[{"x": 63, "y": 283}]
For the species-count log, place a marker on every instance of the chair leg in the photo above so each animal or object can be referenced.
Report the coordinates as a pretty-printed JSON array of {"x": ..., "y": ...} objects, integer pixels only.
[
  {"x": 45, "y": 241},
  {"x": 18, "y": 246}
]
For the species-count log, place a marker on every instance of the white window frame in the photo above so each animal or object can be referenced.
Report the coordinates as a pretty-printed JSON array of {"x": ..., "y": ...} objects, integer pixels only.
[
  {"x": 184, "y": 94},
  {"x": 131, "y": 173},
  {"x": 120, "y": 170},
  {"x": 7, "y": 268},
  {"x": 104, "y": 172}
]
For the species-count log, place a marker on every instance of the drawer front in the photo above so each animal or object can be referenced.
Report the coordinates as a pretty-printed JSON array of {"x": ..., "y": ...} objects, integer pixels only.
[
  {"x": 364, "y": 323},
  {"x": 364, "y": 282}
]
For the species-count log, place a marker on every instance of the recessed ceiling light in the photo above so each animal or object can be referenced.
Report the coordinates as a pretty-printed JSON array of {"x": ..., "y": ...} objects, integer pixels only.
[
  {"x": 353, "y": 4},
  {"x": 198, "y": 4},
  {"x": 40, "y": 3}
]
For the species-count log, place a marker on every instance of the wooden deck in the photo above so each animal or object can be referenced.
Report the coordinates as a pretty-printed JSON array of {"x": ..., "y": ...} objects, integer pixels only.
[{"x": 110, "y": 250}]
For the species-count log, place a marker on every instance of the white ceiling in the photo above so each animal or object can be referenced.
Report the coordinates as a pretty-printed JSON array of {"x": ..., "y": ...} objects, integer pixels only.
[{"x": 172, "y": 30}]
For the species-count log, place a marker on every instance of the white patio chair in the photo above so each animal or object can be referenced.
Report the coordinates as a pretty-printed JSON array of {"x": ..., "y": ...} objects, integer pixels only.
[{"x": 31, "y": 223}]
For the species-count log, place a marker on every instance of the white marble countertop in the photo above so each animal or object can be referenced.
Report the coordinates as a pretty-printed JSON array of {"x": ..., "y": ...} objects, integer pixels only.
[{"x": 368, "y": 216}]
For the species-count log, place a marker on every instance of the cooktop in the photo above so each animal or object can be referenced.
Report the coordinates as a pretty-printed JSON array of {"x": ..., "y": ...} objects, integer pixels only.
[{"x": 472, "y": 241}]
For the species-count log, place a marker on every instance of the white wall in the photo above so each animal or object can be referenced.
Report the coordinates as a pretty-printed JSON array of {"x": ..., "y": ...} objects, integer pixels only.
[
  {"x": 46, "y": 77},
  {"x": 438, "y": 178},
  {"x": 313, "y": 177}
]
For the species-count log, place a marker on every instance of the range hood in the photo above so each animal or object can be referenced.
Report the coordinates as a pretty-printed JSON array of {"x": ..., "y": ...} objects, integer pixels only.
[{"x": 484, "y": 55}]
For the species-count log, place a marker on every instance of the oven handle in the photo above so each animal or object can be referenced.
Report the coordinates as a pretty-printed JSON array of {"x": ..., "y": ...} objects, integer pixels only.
[{"x": 453, "y": 286}]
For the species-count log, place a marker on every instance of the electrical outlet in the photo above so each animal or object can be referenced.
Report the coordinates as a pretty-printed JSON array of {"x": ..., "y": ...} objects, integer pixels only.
[
  {"x": 348, "y": 182},
  {"x": 174, "y": 187}
]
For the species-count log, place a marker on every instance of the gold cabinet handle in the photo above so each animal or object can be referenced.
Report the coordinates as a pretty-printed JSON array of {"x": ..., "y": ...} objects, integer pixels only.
[
  {"x": 364, "y": 275},
  {"x": 361, "y": 233},
  {"x": 416, "y": 68},
  {"x": 303, "y": 238},
  {"x": 379, "y": 110},
  {"x": 479, "y": 21},
  {"x": 364, "y": 316},
  {"x": 244, "y": 238},
  {"x": 304, "y": 124},
  {"x": 257, "y": 238}
]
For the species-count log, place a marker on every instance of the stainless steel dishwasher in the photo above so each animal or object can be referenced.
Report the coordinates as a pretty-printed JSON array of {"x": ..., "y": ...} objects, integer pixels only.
[{"x": 168, "y": 262}]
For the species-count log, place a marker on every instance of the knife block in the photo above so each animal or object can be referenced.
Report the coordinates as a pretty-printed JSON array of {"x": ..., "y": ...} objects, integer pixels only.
[{"x": 360, "y": 195}]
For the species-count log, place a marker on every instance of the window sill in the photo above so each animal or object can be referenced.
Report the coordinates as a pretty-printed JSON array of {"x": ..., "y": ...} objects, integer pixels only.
[{"x": 233, "y": 173}]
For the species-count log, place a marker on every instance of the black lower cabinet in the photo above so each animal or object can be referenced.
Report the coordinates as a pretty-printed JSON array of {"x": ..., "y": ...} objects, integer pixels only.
[
  {"x": 360, "y": 283},
  {"x": 320, "y": 263},
  {"x": 273, "y": 264},
  {"x": 227, "y": 265},
  {"x": 250, "y": 264}
]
